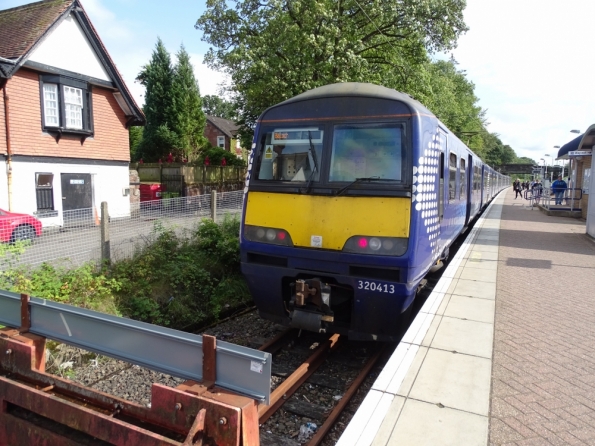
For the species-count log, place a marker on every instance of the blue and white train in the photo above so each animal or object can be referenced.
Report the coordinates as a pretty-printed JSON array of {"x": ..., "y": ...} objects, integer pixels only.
[{"x": 354, "y": 192}]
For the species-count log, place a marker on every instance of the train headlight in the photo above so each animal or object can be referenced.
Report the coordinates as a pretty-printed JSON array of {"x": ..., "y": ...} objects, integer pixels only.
[
  {"x": 267, "y": 235},
  {"x": 375, "y": 244},
  {"x": 382, "y": 246}
]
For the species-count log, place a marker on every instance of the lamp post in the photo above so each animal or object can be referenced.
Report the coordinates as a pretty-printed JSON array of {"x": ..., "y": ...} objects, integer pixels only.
[
  {"x": 551, "y": 170},
  {"x": 563, "y": 163}
]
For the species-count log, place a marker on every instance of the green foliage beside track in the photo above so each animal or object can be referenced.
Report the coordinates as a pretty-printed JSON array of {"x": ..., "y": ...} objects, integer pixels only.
[
  {"x": 180, "y": 281},
  {"x": 184, "y": 282}
]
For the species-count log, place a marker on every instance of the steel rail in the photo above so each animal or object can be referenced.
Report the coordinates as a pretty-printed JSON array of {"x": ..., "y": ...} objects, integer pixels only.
[
  {"x": 239, "y": 369},
  {"x": 276, "y": 343},
  {"x": 338, "y": 409},
  {"x": 296, "y": 379}
]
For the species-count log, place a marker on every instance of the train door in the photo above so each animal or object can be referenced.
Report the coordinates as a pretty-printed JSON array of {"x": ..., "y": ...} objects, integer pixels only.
[
  {"x": 469, "y": 182},
  {"x": 443, "y": 186},
  {"x": 482, "y": 184}
]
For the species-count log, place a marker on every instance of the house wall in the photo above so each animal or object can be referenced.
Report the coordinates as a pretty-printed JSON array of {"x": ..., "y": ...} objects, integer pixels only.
[
  {"x": 2, "y": 124},
  {"x": 211, "y": 133},
  {"x": 105, "y": 155},
  {"x": 110, "y": 140},
  {"x": 57, "y": 50},
  {"x": 108, "y": 184}
]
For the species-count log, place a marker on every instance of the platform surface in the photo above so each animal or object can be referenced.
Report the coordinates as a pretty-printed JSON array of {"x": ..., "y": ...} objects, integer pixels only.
[{"x": 503, "y": 350}]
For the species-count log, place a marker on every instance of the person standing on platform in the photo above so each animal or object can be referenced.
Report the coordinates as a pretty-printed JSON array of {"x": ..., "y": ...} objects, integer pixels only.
[
  {"x": 518, "y": 189},
  {"x": 558, "y": 188},
  {"x": 537, "y": 189}
]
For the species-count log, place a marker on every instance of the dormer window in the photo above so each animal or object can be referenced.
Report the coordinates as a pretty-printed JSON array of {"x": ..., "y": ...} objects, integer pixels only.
[{"x": 66, "y": 105}]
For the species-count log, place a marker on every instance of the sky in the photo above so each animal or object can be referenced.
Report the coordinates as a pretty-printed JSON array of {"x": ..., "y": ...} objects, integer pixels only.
[{"x": 528, "y": 59}]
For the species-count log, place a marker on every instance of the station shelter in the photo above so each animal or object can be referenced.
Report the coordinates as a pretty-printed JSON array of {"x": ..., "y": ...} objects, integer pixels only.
[{"x": 579, "y": 152}]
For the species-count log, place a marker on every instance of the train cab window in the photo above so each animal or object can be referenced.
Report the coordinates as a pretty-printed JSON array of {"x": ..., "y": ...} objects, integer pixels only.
[
  {"x": 452, "y": 178},
  {"x": 463, "y": 181},
  {"x": 367, "y": 151},
  {"x": 290, "y": 154}
]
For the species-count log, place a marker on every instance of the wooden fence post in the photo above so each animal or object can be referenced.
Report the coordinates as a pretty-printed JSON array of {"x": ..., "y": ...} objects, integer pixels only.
[
  {"x": 214, "y": 205},
  {"x": 105, "y": 242}
]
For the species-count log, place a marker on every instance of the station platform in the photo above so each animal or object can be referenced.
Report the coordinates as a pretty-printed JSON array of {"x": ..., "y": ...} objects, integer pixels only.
[{"x": 503, "y": 350}]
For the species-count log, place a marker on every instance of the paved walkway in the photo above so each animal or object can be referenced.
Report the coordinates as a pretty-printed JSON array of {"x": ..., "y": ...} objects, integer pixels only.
[
  {"x": 503, "y": 350},
  {"x": 543, "y": 375}
]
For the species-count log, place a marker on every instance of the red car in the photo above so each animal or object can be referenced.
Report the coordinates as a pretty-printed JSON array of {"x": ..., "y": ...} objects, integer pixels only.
[{"x": 15, "y": 227}]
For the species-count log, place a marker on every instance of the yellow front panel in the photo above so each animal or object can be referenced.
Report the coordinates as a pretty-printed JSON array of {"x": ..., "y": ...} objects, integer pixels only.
[{"x": 335, "y": 219}]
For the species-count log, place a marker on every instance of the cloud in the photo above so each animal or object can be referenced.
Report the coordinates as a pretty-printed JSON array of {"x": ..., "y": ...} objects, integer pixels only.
[
  {"x": 211, "y": 82},
  {"x": 131, "y": 43},
  {"x": 531, "y": 68},
  {"x": 112, "y": 27}
]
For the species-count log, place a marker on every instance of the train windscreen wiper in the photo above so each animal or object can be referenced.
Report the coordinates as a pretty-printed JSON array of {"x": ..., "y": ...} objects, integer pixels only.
[{"x": 357, "y": 180}]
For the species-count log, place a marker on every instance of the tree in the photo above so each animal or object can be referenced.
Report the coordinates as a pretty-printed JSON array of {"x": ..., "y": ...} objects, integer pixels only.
[
  {"x": 135, "y": 135},
  {"x": 188, "y": 119},
  {"x": 277, "y": 49},
  {"x": 451, "y": 97},
  {"x": 525, "y": 160},
  {"x": 213, "y": 105},
  {"x": 496, "y": 152},
  {"x": 157, "y": 76}
]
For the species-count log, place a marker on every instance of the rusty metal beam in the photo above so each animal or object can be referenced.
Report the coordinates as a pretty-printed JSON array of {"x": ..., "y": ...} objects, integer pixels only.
[
  {"x": 241, "y": 369},
  {"x": 209, "y": 360},
  {"x": 25, "y": 314},
  {"x": 228, "y": 419}
]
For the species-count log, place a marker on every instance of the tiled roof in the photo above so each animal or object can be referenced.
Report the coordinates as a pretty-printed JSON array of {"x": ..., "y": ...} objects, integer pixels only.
[
  {"x": 22, "y": 26},
  {"x": 225, "y": 125}
]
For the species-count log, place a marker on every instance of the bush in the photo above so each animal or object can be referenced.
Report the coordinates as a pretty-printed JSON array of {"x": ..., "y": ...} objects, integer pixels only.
[
  {"x": 184, "y": 282},
  {"x": 216, "y": 155},
  {"x": 85, "y": 286},
  {"x": 176, "y": 281}
]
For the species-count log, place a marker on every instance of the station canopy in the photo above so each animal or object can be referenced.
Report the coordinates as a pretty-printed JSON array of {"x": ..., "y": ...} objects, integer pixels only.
[{"x": 586, "y": 141}]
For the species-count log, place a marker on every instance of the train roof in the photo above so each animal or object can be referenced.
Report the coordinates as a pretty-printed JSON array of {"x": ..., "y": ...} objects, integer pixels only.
[{"x": 359, "y": 89}]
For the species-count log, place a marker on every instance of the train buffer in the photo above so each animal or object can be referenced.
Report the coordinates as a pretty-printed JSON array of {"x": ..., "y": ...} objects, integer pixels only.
[{"x": 217, "y": 404}]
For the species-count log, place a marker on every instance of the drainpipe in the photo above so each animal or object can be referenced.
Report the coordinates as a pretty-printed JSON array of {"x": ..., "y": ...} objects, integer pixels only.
[{"x": 8, "y": 148}]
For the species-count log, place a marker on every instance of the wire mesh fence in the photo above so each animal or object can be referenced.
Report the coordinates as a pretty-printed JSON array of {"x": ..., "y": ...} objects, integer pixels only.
[{"x": 79, "y": 238}]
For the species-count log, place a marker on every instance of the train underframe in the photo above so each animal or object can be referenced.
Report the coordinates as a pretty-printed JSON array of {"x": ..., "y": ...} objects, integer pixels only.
[{"x": 359, "y": 307}]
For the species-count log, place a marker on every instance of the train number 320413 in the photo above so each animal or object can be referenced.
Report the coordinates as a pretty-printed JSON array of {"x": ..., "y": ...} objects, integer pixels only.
[{"x": 375, "y": 286}]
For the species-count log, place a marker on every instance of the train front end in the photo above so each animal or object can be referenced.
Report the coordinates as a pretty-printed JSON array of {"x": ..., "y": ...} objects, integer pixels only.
[{"x": 326, "y": 230}]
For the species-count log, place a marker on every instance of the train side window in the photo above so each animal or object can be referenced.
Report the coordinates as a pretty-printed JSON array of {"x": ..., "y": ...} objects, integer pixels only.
[
  {"x": 452, "y": 178},
  {"x": 463, "y": 183}
]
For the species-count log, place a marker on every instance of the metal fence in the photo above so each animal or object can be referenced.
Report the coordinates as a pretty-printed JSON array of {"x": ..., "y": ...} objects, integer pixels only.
[
  {"x": 79, "y": 239},
  {"x": 570, "y": 201}
]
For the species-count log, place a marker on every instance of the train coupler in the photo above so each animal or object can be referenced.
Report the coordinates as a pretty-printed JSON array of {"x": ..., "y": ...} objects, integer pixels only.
[{"x": 310, "y": 305}]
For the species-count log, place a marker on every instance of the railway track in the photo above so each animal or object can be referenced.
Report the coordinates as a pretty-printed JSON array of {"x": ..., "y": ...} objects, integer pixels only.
[{"x": 289, "y": 397}]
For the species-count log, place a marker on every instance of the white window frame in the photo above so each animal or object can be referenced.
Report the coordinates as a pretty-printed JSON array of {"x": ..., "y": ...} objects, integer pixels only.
[
  {"x": 73, "y": 107},
  {"x": 51, "y": 105},
  {"x": 221, "y": 142}
]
